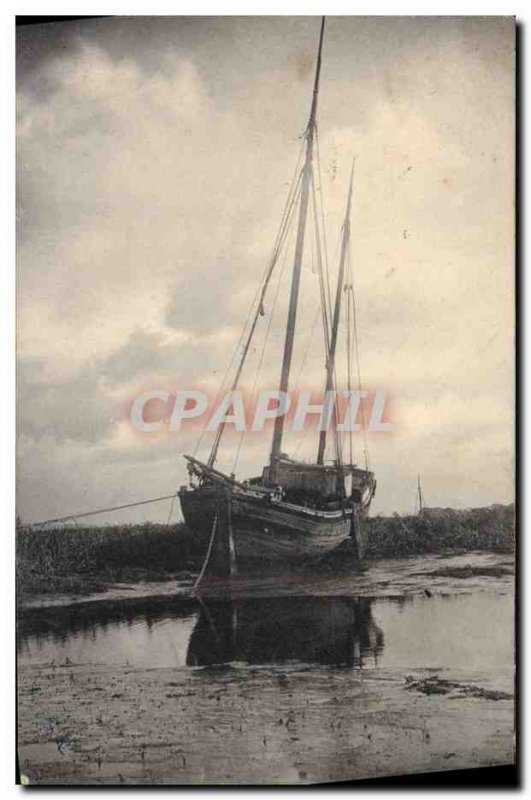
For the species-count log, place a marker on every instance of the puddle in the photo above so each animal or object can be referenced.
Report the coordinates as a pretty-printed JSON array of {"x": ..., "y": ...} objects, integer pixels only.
[{"x": 464, "y": 630}]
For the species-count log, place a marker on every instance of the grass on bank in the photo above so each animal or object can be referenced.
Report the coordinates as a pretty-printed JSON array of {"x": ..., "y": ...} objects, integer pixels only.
[{"x": 83, "y": 559}]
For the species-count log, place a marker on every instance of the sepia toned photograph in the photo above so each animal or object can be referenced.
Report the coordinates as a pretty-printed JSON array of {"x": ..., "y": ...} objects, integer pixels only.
[{"x": 265, "y": 345}]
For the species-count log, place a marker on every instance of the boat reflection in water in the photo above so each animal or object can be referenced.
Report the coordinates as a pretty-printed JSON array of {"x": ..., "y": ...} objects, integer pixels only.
[
  {"x": 170, "y": 631},
  {"x": 334, "y": 631}
]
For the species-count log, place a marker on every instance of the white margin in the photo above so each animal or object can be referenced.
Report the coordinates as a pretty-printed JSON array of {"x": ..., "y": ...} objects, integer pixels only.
[{"x": 7, "y": 508}]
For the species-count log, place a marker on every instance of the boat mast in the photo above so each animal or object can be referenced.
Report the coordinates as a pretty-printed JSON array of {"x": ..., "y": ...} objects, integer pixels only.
[
  {"x": 421, "y": 502},
  {"x": 299, "y": 248},
  {"x": 330, "y": 361}
]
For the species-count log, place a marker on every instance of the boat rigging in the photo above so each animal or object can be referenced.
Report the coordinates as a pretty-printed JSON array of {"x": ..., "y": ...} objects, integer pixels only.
[{"x": 294, "y": 509}]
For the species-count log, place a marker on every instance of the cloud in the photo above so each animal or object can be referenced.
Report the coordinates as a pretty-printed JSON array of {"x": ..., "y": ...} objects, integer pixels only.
[
  {"x": 154, "y": 158},
  {"x": 142, "y": 354},
  {"x": 70, "y": 410}
]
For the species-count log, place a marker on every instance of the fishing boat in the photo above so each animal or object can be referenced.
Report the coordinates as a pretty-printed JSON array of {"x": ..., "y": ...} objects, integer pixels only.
[{"x": 294, "y": 511}]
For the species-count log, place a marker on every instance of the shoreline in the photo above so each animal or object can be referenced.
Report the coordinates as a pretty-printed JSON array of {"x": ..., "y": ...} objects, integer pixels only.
[
  {"x": 78, "y": 561},
  {"x": 442, "y": 572}
]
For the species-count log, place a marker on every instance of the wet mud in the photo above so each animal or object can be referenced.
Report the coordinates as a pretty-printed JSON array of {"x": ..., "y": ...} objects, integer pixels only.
[{"x": 404, "y": 667}]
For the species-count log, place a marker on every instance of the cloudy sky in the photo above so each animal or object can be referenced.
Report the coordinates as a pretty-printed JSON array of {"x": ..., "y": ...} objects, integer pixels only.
[{"x": 154, "y": 157}]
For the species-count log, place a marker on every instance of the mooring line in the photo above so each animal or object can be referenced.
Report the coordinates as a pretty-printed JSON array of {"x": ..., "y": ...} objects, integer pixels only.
[
  {"x": 207, "y": 557},
  {"x": 100, "y": 511}
]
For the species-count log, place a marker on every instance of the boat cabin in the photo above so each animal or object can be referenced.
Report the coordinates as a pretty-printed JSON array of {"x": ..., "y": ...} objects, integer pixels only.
[{"x": 316, "y": 484}]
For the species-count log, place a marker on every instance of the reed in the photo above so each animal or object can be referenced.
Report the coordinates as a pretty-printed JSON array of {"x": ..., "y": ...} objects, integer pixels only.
[
  {"x": 81, "y": 559},
  {"x": 438, "y": 530},
  {"x": 75, "y": 559}
]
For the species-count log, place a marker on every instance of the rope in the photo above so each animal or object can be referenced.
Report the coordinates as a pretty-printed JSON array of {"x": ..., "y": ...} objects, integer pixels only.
[
  {"x": 323, "y": 286},
  {"x": 284, "y": 228},
  {"x": 308, "y": 344},
  {"x": 260, "y": 361},
  {"x": 171, "y": 509},
  {"x": 303, "y": 364},
  {"x": 357, "y": 351},
  {"x": 207, "y": 557},
  {"x": 349, "y": 373},
  {"x": 327, "y": 301},
  {"x": 100, "y": 511},
  {"x": 324, "y": 289},
  {"x": 325, "y": 246},
  {"x": 260, "y": 290}
]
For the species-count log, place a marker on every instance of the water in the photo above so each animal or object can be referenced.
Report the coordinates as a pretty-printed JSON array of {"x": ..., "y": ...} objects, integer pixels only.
[
  {"x": 462, "y": 630},
  {"x": 146, "y": 684}
]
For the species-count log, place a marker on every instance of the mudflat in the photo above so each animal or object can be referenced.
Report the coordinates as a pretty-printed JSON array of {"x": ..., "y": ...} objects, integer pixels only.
[{"x": 404, "y": 668}]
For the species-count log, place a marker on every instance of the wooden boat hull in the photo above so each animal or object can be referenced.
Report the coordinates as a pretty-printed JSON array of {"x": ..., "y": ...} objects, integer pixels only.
[{"x": 267, "y": 532}]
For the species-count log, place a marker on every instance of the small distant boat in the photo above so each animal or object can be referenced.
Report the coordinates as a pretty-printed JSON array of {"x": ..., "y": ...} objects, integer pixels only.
[
  {"x": 294, "y": 511},
  {"x": 419, "y": 499}
]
